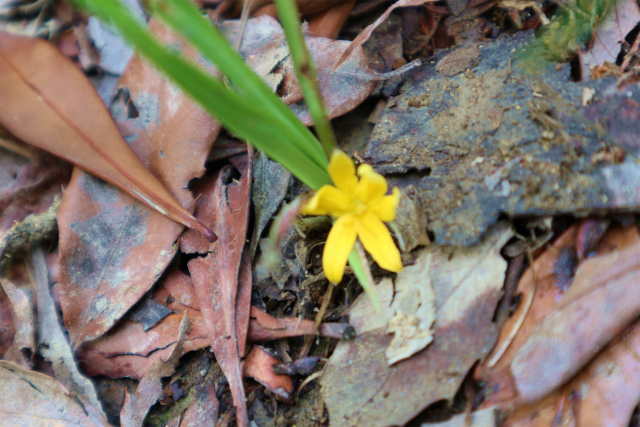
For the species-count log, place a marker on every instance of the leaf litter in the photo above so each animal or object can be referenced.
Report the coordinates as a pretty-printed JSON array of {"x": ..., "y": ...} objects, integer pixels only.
[{"x": 421, "y": 349}]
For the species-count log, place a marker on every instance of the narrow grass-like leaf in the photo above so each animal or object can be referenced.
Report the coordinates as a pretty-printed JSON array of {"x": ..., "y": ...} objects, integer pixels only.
[
  {"x": 186, "y": 19},
  {"x": 306, "y": 73},
  {"x": 245, "y": 118}
]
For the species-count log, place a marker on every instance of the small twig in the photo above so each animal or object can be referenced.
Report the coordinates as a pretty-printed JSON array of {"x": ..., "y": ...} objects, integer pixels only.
[{"x": 629, "y": 55}]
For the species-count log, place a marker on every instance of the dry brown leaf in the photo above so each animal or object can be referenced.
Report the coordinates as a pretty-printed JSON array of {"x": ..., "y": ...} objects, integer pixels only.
[
  {"x": 604, "y": 394},
  {"x": 33, "y": 399},
  {"x": 204, "y": 410},
  {"x": 265, "y": 49},
  {"x": 28, "y": 187},
  {"x": 328, "y": 23},
  {"x": 52, "y": 342},
  {"x": 259, "y": 366},
  {"x": 414, "y": 310},
  {"x": 56, "y": 108},
  {"x": 225, "y": 206},
  {"x": 359, "y": 387},
  {"x": 264, "y": 327},
  {"x": 609, "y": 35},
  {"x": 150, "y": 389},
  {"x": 129, "y": 351},
  {"x": 112, "y": 247},
  {"x": 366, "y": 33},
  {"x": 602, "y": 300},
  {"x": 24, "y": 341}
]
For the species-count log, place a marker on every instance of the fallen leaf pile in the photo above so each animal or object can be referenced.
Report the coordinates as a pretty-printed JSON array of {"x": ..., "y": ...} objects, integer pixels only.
[{"x": 154, "y": 269}]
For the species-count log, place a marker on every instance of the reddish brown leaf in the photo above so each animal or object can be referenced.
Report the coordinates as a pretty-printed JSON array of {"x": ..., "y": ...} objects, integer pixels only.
[
  {"x": 265, "y": 49},
  {"x": 54, "y": 107},
  {"x": 264, "y": 327},
  {"x": 601, "y": 300},
  {"x": 113, "y": 248},
  {"x": 150, "y": 389},
  {"x": 605, "y": 393},
  {"x": 33, "y": 399},
  {"x": 204, "y": 410},
  {"x": 366, "y": 33},
  {"x": 259, "y": 366},
  {"x": 129, "y": 351},
  {"x": 7, "y": 329},
  {"x": 28, "y": 188},
  {"x": 24, "y": 340},
  {"x": 225, "y": 206},
  {"x": 328, "y": 23}
]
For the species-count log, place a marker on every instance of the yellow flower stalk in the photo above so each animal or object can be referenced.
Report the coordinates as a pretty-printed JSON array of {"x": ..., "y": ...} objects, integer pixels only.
[{"x": 360, "y": 206}]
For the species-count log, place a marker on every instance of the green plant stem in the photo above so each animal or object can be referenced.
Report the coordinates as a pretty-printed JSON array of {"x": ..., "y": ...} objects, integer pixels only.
[{"x": 306, "y": 73}]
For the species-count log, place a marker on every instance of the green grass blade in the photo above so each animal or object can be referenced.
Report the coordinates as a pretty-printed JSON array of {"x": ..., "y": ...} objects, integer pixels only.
[
  {"x": 184, "y": 17},
  {"x": 242, "y": 117},
  {"x": 306, "y": 73}
]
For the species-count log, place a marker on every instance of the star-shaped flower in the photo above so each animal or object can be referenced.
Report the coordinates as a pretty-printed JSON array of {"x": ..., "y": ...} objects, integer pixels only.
[{"x": 360, "y": 207}]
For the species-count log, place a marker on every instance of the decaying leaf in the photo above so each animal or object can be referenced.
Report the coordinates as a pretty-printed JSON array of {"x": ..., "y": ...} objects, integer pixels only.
[
  {"x": 129, "y": 351},
  {"x": 360, "y": 388},
  {"x": 114, "y": 248},
  {"x": 259, "y": 366},
  {"x": 24, "y": 341},
  {"x": 609, "y": 35},
  {"x": 52, "y": 342},
  {"x": 366, "y": 33},
  {"x": 150, "y": 388},
  {"x": 28, "y": 188},
  {"x": 37, "y": 108},
  {"x": 33, "y": 399},
  {"x": 605, "y": 393},
  {"x": 225, "y": 206},
  {"x": 203, "y": 411},
  {"x": 600, "y": 301},
  {"x": 414, "y": 311},
  {"x": 265, "y": 50}
]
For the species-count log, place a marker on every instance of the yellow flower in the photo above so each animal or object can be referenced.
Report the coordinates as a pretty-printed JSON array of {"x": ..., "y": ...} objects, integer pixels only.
[{"x": 360, "y": 208}]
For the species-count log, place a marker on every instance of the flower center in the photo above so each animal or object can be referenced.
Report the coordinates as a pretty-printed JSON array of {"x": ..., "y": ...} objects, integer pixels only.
[{"x": 358, "y": 207}]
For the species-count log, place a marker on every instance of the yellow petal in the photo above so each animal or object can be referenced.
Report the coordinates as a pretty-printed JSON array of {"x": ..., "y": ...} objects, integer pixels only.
[
  {"x": 376, "y": 239},
  {"x": 328, "y": 200},
  {"x": 385, "y": 207},
  {"x": 341, "y": 239},
  {"x": 343, "y": 172},
  {"x": 372, "y": 185}
]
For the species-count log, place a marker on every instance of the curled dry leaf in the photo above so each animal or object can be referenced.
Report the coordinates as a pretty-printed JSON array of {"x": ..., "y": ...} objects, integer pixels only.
[
  {"x": 28, "y": 187},
  {"x": 360, "y": 388},
  {"x": 24, "y": 340},
  {"x": 56, "y": 108},
  {"x": 600, "y": 301},
  {"x": 129, "y": 351},
  {"x": 265, "y": 50},
  {"x": 114, "y": 248},
  {"x": 609, "y": 35},
  {"x": 414, "y": 311},
  {"x": 225, "y": 206},
  {"x": 52, "y": 342},
  {"x": 204, "y": 409},
  {"x": 31, "y": 398},
  {"x": 259, "y": 366},
  {"x": 366, "y": 33},
  {"x": 605, "y": 393},
  {"x": 150, "y": 389}
]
